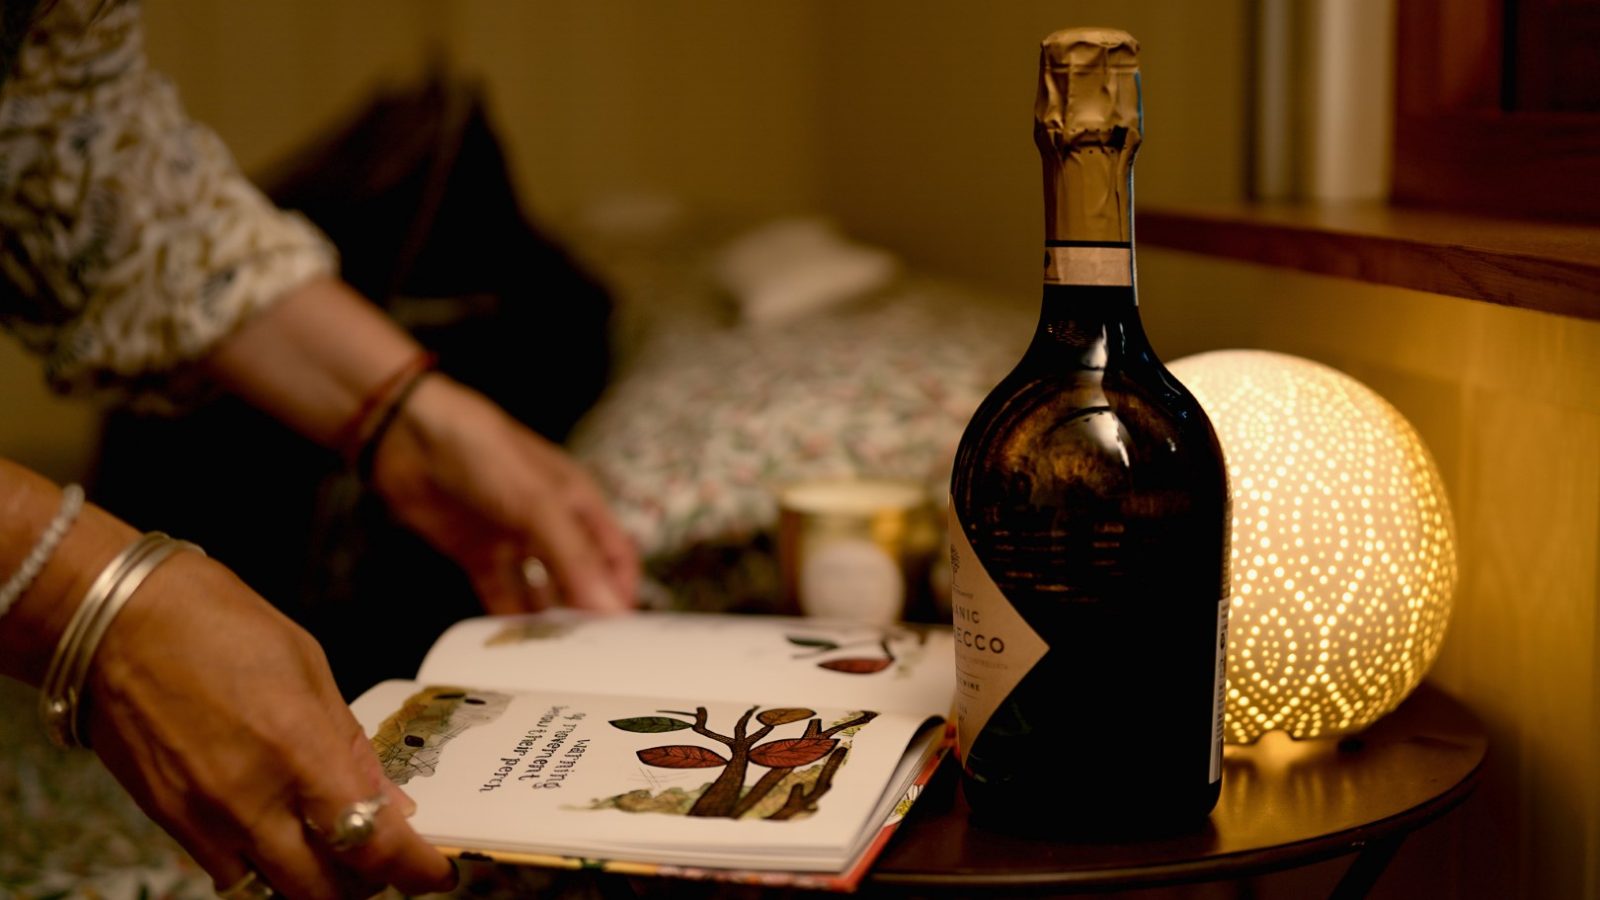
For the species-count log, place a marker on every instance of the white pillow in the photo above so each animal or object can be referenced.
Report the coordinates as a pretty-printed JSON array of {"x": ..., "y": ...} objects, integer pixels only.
[{"x": 794, "y": 267}]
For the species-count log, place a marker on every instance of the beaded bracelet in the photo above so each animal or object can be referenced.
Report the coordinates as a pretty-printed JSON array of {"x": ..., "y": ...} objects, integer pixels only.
[
  {"x": 61, "y": 696},
  {"x": 33, "y": 563}
]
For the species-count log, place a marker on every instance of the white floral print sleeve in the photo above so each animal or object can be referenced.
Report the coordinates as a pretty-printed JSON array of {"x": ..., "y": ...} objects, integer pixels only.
[{"x": 130, "y": 243}]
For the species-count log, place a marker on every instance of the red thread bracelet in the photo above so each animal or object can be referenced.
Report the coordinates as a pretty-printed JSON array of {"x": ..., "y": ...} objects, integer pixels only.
[
  {"x": 378, "y": 405},
  {"x": 369, "y": 449}
]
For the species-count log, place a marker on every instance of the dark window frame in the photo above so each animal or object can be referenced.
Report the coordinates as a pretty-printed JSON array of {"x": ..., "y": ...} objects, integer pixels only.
[{"x": 1459, "y": 140}]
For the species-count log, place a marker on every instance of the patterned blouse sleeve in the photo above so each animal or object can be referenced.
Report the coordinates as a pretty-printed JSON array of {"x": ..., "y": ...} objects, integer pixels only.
[{"x": 130, "y": 243}]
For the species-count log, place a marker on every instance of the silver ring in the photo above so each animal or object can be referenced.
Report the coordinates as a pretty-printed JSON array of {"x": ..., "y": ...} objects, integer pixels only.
[
  {"x": 250, "y": 887},
  {"x": 535, "y": 574},
  {"x": 354, "y": 824}
]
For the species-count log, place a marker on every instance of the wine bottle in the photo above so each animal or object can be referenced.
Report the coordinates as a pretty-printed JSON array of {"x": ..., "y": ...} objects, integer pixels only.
[{"x": 1089, "y": 516}]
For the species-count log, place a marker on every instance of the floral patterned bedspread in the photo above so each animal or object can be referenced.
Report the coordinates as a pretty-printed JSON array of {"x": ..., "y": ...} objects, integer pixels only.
[
  {"x": 707, "y": 416},
  {"x": 67, "y": 829}
]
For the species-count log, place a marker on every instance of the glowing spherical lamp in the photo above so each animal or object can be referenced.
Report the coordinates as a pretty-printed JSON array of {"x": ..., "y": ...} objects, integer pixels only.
[{"x": 1343, "y": 554}]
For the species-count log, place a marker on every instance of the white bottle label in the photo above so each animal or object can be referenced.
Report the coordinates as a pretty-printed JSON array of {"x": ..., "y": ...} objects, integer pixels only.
[
  {"x": 1220, "y": 705},
  {"x": 995, "y": 647}
]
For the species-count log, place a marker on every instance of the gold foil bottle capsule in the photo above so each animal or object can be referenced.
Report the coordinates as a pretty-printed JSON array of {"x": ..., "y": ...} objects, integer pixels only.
[{"x": 1087, "y": 125}]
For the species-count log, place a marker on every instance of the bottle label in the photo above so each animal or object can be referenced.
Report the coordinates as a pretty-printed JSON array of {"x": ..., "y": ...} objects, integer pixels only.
[
  {"x": 995, "y": 647},
  {"x": 1093, "y": 264},
  {"x": 1220, "y": 704}
]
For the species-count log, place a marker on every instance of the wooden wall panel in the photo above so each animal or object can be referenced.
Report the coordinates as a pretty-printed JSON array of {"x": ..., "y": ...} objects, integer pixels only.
[{"x": 1524, "y": 646}]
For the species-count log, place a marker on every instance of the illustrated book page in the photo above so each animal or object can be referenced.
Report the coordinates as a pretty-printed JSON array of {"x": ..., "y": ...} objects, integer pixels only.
[
  {"x": 902, "y": 667},
  {"x": 651, "y": 783},
  {"x": 770, "y": 749}
]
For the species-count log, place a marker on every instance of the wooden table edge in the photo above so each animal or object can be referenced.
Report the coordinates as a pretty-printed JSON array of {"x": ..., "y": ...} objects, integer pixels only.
[{"x": 1231, "y": 865}]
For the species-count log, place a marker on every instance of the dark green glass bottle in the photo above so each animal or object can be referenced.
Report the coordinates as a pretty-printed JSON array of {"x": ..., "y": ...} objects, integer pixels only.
[{"x": 1089, "y": 516}]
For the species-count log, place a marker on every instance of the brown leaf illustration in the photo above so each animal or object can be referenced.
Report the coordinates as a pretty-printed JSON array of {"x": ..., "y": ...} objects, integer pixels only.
[
  {"x": 681, "y": 756},
  {"x": 792, "y": 752},
  {"x": 784, "y": 716},
  {"x": 858, "y": 665}
]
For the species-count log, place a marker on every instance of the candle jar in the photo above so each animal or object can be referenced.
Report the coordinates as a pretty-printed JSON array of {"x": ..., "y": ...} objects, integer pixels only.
[{"x": 857, "y": 549}]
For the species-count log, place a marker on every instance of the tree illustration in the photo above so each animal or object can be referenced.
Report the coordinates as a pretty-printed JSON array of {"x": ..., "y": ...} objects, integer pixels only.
[{"x": 726, "y": 797}]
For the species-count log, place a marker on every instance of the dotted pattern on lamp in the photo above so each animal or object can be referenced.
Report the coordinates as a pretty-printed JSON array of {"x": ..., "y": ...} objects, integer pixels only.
[{"x": 1343, "y": 559}]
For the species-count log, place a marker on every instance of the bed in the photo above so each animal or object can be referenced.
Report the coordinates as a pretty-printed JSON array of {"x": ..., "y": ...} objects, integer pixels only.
[{"x": 726, "y": 388}]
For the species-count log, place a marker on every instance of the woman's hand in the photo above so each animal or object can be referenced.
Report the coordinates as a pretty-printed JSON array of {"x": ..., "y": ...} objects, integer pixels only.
[
  {"x": 504, "y": 503},
  {"x": 220, "y": 717},
  {"x": 475, "y": 483}
]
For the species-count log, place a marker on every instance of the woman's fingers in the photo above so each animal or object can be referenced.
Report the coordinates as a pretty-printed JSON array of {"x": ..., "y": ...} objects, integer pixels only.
[
  {"x": 299, "y": 860},
  {"x": 344, "y": 835},
  {"x": 359, "y": 820},
  {"x": 493, "y": 495},
  {"x": 501, "y": 578},
  {"x": 390, "y": 852},
  {"x": 568, "y": 550},
  {"x": 225, "y": 866},
  {"x": 617, "y": 550},
  {"x": 281, "y": 855},
  {"x": 595, "y": 561},
  {"x": 367, "y": 761},
  {"x": 618, "y": 556}
]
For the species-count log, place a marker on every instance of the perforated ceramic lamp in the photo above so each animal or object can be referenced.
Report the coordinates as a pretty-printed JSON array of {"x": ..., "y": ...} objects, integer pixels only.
[{"x": 1343, "y": 552}]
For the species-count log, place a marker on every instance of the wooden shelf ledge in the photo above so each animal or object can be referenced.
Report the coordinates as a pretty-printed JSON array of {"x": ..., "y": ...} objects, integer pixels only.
[{"x": 1550, "y": 267}]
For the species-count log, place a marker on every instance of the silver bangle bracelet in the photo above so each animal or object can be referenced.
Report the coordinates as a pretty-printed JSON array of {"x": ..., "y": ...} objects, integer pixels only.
[
  {"x": 61, "y": 698},
  {"x": 71, "y": 504},
  {"x": 57, "y": 708}
]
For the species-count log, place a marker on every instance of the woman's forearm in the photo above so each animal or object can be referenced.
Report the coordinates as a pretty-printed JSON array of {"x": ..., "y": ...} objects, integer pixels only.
[
  {"x": 312, "y": 358},
  {"x": 29, "y": 631},
  {"x": 309, "y": 360}
]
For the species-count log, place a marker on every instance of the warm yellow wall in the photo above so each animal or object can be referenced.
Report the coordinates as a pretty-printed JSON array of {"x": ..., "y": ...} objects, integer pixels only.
[
  {"x": 927, "y": 116},
  {"x": 266, "y": 76},
  {"x": 911, "y": 121},
  {"x": 708, "y": 99}
]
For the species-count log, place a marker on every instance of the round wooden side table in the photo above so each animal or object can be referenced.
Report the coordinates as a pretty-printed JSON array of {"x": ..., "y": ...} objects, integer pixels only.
[{"x": 1284, "y": 804}]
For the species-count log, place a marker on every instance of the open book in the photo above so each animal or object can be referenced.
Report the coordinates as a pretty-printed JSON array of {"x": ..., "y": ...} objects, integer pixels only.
[{"x": 747, "y": 748}]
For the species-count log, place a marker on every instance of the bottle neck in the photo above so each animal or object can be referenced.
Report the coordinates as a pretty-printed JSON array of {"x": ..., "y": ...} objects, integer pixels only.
[
  {"x": 1090, "y": 306},
  {"x": 1088, "y": 125},
  {"x": 1084, "y": 326},
  {"x": 1088, "y": 234}
]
